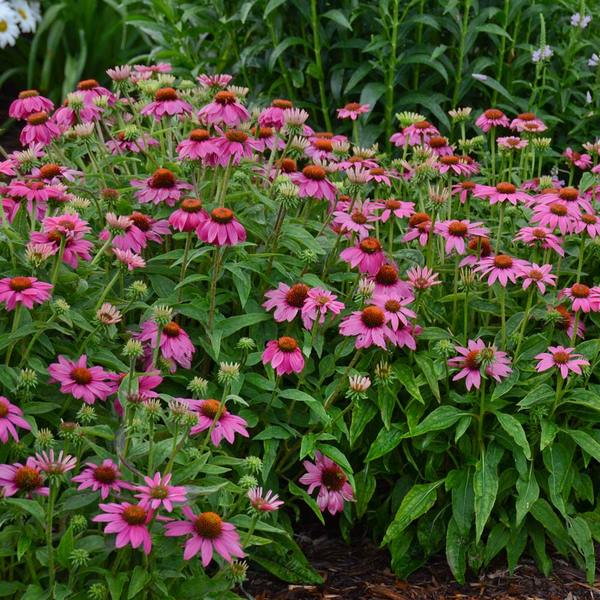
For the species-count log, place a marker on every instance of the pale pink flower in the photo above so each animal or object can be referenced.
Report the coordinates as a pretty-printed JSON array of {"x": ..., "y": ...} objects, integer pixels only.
[
  {"x": 268, "y": 502},
  {"x": 556, "y": 216},
  {"x": 352, "y": 110},
  {"x": 589, "y": 223},
  {"x": 189, "y": 216},
  {"x": 415, "y": 134},
  {"x": 419, "y": 227},
  {"x": 167, "y": 104},
  {"x": 562, "y": 359},
  {"x": 232, "y": 146},
  {"x": 395, "y": 308},
  {"x": 54, "y": 464},
  {"x": 422, "y": 278},
  {"x": 478, "y": 357},
  {"x": 283, "y": 355},
  {"x": 492, "y": 117},
  {"x": 540, "y": 236},
  {"x": 25, "y": 291},
  {"x": 11, "y": 417},
  {"x": 527, "y": 122},
  {"x": 502, "y": 192},
  {"x": 397, "y": 208},
  {"x": 512, "y": 143},
  {"x": 583, "y": 161},
  {"x": 158, "y": 493},
  {"x": 143, "y": 229},
  {"x": 537, "y": 275},
  {"x": 130, "y": 523},
  {"x": 129, "y": 259},
  {"x": 198, "y": 146}
]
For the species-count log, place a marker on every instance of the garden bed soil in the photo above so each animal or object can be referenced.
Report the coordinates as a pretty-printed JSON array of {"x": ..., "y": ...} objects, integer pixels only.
[{"x": 361, "y": 571}]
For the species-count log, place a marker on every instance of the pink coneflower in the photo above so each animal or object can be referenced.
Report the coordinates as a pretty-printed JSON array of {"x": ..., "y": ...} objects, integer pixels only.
[
  {"x": 455, "y": 164},
  {"x": 312, "y": 182},
  {"x": 287, "y": 301},
  {"x": 52, "y": 173},
  {"x": 352, "y": 110},
  {"x": 157, "y": 492},
  {"x": 265, "y": 139},
  {"x": 370, "y": 326},
  {"x": 119, "y": 73},
  {"x": 11, "y": 416},
  {"x": 175, "y": 343},
  {"x": 501, "y": 267},
  {"x": 318, "y": 304},
  {"x": 36, "y": 193},
  {"x": 268, "y": 502},
  {"x": 569, "y": 197},
  {"x": 274, "y": 115},
  {"x": 406, "y": 336},
  {"x": 25, "y": 478},
  {"x": 416, "y": 134},
  {"x": 367, "y": 255},
  {"x": 540, "y": 236},
  {"x": 398, "y": 208},
  {"x": 527, "y": 122},
  {"x": 381, "y": 175},
  {"x": 130, "y": 523},
  {"x": 39, "y": 129},
  {"x": 582, "y": 297},
  {"x": 162, "y": 186},
  {"x": 439, "y": 145},
  {"x": 213, "y": 416},
  {"x": 25, "y": 291},
  {"x": 224, "y": 109},
  {"x": 221, "y": 228},
  {"x": 143, "y": 229},
  {"x": 105, "y": 477},
  {"x": 320, "y": 149},
  {"x": 283, "y": 355},
  {"x": 54, "y": 464},
  {"x": 355, "y": 222},
  {"x": 422, "y": 278},
  {"x": 91, "y": 89},
  {"x": 479, "y": 247},
  {"x": 189, "y": 216},
  {"x": 66, "y": 116},
  {"x": 209, "y": 534},
  {"x": 129, "y": 259},
  {"x": 477, "y": 357},
  {"x": 232, "y": 146},
  {"x": 29, "y": 102},
  {"x": 199, "y": 146},
  {"x": 151, "y": 69},
  {"x": 562, "y": 359},
  {"x": 82, "y": 382},
  {"x": 456, "y": 232},
  {"x": 387, "y": 282},
  {"x": 167, "y": 104},
  {"x": 589, "y": 223},
  {"x": 330, "y": 480},
  {"x": 583, "y": 161},
  {"x": 512, "y": 143},
  {"x": 356, "y": 161},
  {"x": 556, "y": 215},
  {"x": 566, "y": 321},
  {"x": 492, "y": 117},
  {"x": 464, "y": 189},
  {"x": 395, "y": 308},
  {"x": 8, "y": 167},
  {"x": 502, "y": 192},
  {"x": 121, "y": 144},
  {"x": 538, "y": 275},
  {"x": 108, "y": 314},
  {"x": 419, "y": 227}
]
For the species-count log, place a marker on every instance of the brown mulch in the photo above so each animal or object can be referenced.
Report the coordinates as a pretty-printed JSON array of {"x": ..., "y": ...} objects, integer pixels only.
[{"x": 361, "y": 572}]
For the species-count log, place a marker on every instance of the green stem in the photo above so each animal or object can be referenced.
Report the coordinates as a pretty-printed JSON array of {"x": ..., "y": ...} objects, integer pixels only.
[
  {"x": 188, "y": 244},
  {"x": 214, "y": 276},
  {"x": 107, "y": 290},
  {"x": 461, "y": 52},
  {"x": 49, "y": 520},
  {"x": 481, "y": 416},
  {"x": 250, "y": 530},
  {"x": 503, "y": 315},
  {"x": 342, "y": 381},
  {"x": 559, "y": 385},
  {"x": 15, "y": 326},
  {"x": 314, "y": 21},
  {"x": 525, "y": 321}
]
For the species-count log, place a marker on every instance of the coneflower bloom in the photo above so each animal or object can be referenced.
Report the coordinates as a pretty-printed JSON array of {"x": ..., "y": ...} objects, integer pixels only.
[
  {"x": 158, "y": 493},
  {"x": 541, "y": 237},
  {"x": 104, "y": 477},
  {"x": 419, "y": 226},
  {"x": 232, "y": 146},
  {"x": 221, "y": 228},
  {"x": 39, "y": 130},
  {"x": 167, "y": 104},
  {"x": 331, "y": 481},
  {"x": 108, "y": 314},
  {"x": 274, "y": 115},
  {"x": 162, "y": 186},
  {"x": 312, "y": 182},
  {"x": 583, "y": 161},
  {"x": 416, "y": 134},
  {"x": 502, "y": 192},
  {"x": 464, "y": 189},
  {"x": 283, "y": 355},
  {"x": 479, "y": 247},
  {"x": 501, "y": 267},
  {"x": 478, "y": 357},
  {"x": 352, "y": 110},
  {"x": 318, "y": 304},
  {"x": 82, "y": 382},
  {"x": 457, "y": 232},
  {"x": 91, "y": 89},
  {"x": 121, "y": 143},
  {"x": 189, "y": 216},
  {"x": 556, "y": 215},
  {"x": 287, "y": 301},
  {"x": 268, "y": 502},
  {"x": 566, "y": 321},
  {"x": 175, "y": 344},
  {"x": 130, "y": 523},
  {"x": 395, "y": 307},
  {"x": 52, "y": 173},
  {"x": 367, "y": 255},
  {"x": 512, "y": 142},
  {"x": 25, "y": 478},
  {"x": 67, "y": 117},
  {"x": 209, "y": 534},
  {"x": 265, "y": 139},
  {"x": 589, "y": 223},
  {"x": 355, "y": 222},
  {"x": 492, "y": 117},
  {"x": 129, "y": 259},
  {"x": 539, "y": 275},
  {"x": 381, "y": 175},
  {"x": 370, "y": 326},
  {"x": 527, "y": 122},
  {"x": 422, "y": 278},
  {"x": 388, "y": 282},
  {"x": 224, "y": 109},
  {"x": 439, "y": 145},
  {"x": 582, "y": 297},
  {"x": 569, "y": 197},
  {"x": 55, "y": 464},
  {"x": 455, "y": 164},
  {"x": 27, "y": 103},
  {"x": 143, "y": 229},
  {"x": 11, "y": 416},
  {"x": 405, "y": 336},
  {"x": 562, "y": 359},
  {"x": 199, "y": 146},
  {"x": 25, "y": 291},
  {"x": 398, "y": 208},
  {"x": 214, "y": 416},
  {"x": 320, "y": 149}
]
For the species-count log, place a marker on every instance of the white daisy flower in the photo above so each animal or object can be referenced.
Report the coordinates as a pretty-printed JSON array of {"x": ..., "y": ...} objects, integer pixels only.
[
  {"x": 27, "y": 14},
  {"x": 9, "y": 29}
]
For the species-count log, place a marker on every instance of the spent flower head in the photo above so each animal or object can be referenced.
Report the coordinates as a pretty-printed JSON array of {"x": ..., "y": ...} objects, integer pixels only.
[{"x": 407, "y": 118}]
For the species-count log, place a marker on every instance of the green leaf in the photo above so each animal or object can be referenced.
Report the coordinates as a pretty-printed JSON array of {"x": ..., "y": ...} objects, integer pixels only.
[
  {"x": 586, "y": 442},
  {"x": 548, "y": 433},
  {"x": 407, "y": 379},
  {"x": 365, "y": 488},
  {"x": 514, "y": 428},
  {"x": 528, "y": 491},
  {"x": 363, "y": 413},
  {"x": 30, "y": 506},
  {"x": 456, "y": 551},
  {"x": 313, "y": 404},
  {"x": 300, "y": 493},
  {"x": 557, "y": 460},
  {"x": 485, "y": 486},
  {"x": 542, "y": 512},
  {"x": 271, "y": 6},
  {"x": 538, "y": 395},
  {"x": 338, "y": 17},
  {"x": 493, "y": 29},
  {"x": 233, "y": 324},
  {"x": 462, "y": 499},
  {"x": 428, "y": 369},
  {"x": 65, "y": 547},
  {"x": 336, "y": 456},
  {"x": 580, "y": 533},
  {"x": 441, "y": 418},
  {"x": 116, "y": 583},
  {"x": 418, "y": 500},
  {"x": 385, "y": 442},
  {"x": 496, "y": 541},
  {"x": 506, "y": 384},
  {"x": 496, "y": 86},
  {"x": 139, "y": 580}
]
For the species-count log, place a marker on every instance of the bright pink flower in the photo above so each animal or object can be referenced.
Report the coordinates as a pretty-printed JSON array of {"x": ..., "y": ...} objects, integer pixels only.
[
  {"x": 356, "y": 222},
  {"x": 415, "y": 134},
  {"x": 8, "y": 167},
  {"x": 287, "y": 301},
  {"x": 75, "y": 247},
  {"x": 209, "y": 534},
  {"x": 274, "y": 115},
  {"x": 567, "y": 196},
  {"x": 265, "y": 139},
  {"x": 540, "y": 236},
  {"x": 54, "y": 464},
  {"x": 268, "y": 502},
  {"x": 157, "y": 492},
  {"x": 331, "y": 481},
  {"x": 11, "y": 416},
  {"x": 381, "y": 175},
  {"x": 582, "y": 297},
  {"x": 589, "y": 223},
  {"x": 162, "y": 186},
  {"x": 121, "y": 144},
  {"x": 232, "y": 146},
  {"x": 189, "y": 216},
  {"x": 91, "y": 89},
  {"x": 583, "y": 161},
  {"x": 221, "y": 228},
  {"x": 130, "y": 523},
  {"x": 23, "y": 290},
  {"x": 422, "y": 278},
  {"x": 82, "y": 382},
  {"x": 313, "y": 182},
  {"x": 175, "y": 343},
  {"x": 29, "y": 102},
  {"x": 167, "y": 104},
  {"x": 457, "y": 165},
  {"x": 370, "y": 326},
  {"x": 318, "y": 304},
  {"x": 464, "y": 189},
  {"x": 456, "y": 232},
  {"x": 214, "y": 416},
  {"x": 419, "y": 227},
  {"x": 283, "y": 355},
  {"x": 224, "y": 110},
  {"x": 320, "y": 149},
  {"x": 105, "y": 477},
  {"x": 562, "y": 359},
  {"x": 538, "y": 275},
  {"x": 439, "y": 145},
  {"x": 36, "y": 193},
  {"x": 129, "y": 259},
  {"x": 25, "y": 478},
  {"x": 39, "y": 129},
  {"x": 157, "y": 68},
  {"x": 199, "y": 146},
  {"x": 352, "y": 110},
  {"x": 66, "y": 117},
  {"x": 502, "y": 192},
  {"x": 477, "y": 357},
  {"x": 556, "y": 216},
  {"x": 512, "y": 142},
  {"x": 398, "y": 208},
  {"x": 143, "y": 229},
  {"x": 567, "y": 322},
  {"x": 405, "y": 336},
  {"x": 492, "y": 117},
  {"x": 528, "y": 122},
  {"x": 501, "y": 267},
  {"x": 120, "y": 73},
  {"x": 389, "y": 283},
  {"x": 52, "y": 174},
  {"x": 367, "y": 255},
  {"x": 395, "y": 308}
]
